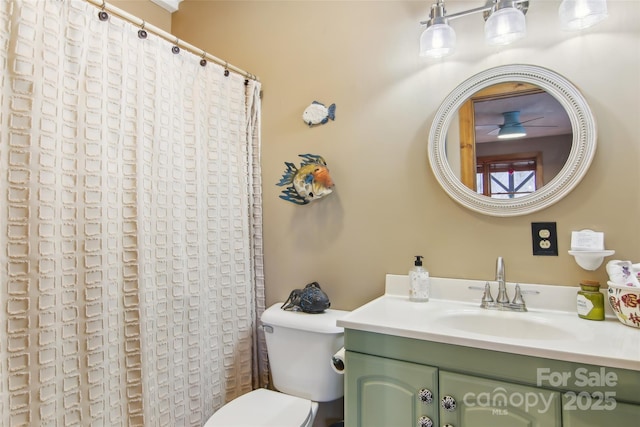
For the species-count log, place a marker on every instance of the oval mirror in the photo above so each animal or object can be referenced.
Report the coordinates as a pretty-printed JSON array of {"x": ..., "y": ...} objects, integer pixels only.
[{"x": 512, "y": 140}]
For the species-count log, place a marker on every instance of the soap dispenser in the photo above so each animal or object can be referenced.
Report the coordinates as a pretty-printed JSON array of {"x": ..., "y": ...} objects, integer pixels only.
[{"x": 419, "y": 282}]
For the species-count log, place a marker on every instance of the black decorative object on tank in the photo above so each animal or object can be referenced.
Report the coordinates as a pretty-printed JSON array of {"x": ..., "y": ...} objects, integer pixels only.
[{"x": 311, "y": 299}]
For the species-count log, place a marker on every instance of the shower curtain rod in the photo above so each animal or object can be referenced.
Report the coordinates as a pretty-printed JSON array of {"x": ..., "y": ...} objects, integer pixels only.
[{"x": 101, "y": 4}]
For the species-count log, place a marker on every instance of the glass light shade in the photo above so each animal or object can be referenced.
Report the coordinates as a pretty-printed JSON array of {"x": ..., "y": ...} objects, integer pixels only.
[
  {"x": 505, "y": 26},
  {"x": 510, "y": 132},
  {"x": 580, "y": 14},
  {"x": 437, "y": 40}
]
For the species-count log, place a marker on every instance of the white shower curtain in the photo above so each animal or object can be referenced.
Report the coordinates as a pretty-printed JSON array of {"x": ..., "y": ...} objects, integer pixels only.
[{"x": 130, "y": 225}]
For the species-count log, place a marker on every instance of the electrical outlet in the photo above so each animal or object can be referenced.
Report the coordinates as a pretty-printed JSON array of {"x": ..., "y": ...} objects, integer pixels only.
[{"x": 545, "y": 238}]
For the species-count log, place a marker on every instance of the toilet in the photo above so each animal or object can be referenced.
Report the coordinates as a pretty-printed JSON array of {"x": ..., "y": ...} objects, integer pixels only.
[{"x": 300, "y": 347}]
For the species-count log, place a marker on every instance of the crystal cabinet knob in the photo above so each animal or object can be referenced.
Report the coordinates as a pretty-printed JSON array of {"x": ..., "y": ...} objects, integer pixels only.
[
  {"x": 448, "y": 403},
  {"x": 425, "y": 421},
  {"x": 425, "y": 395}
]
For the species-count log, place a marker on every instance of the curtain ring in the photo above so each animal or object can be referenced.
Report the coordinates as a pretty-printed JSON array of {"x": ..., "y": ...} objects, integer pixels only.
[
  {"x": 141, "y": 32},
  {"x": 203, "y": 61},
  {"x": 102, "y": 15},
  {"x": 226, "y": 70},
  {"x": 176, "y": 49}
]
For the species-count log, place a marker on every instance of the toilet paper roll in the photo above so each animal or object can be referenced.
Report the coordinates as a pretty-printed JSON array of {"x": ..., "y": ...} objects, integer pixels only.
[{"x": 337, "y": 362}]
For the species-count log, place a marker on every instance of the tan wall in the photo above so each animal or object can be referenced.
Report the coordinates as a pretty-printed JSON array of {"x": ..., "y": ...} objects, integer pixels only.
[
  {"x": 387, "y": 205},
  {"x": 147, "y": 11}
]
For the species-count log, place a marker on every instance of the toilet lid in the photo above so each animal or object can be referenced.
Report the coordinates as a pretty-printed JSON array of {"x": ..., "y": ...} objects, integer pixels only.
[{"x": 262, "y": 408}]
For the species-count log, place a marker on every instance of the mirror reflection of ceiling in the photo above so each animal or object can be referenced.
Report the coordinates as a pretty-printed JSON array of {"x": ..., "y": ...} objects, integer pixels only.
[{"x": 543, "y": 114}]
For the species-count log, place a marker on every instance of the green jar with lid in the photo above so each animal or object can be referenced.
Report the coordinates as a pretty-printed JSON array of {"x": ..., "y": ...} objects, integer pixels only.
[{"x": 590, "y": 301}]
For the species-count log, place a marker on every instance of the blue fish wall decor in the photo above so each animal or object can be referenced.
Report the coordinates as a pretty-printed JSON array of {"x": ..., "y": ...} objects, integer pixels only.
[{"x": 318, "y": 114}]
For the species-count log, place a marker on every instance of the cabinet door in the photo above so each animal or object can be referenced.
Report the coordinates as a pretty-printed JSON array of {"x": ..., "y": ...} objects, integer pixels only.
[
  {"x": 479, "y": 402},
  {"x": 585, "y": 410},
  {"x": 383, "y": 392}
]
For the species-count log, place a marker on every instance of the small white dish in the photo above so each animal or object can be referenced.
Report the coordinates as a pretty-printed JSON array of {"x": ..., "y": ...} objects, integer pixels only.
[{"x": 591, "y": 260}]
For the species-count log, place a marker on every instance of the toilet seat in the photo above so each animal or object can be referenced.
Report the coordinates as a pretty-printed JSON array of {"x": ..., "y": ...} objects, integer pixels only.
[{"x": 263, "y": 408}]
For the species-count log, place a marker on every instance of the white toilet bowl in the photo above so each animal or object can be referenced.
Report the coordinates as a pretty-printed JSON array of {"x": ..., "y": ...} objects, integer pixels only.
[{"x": 265, "y": 408}]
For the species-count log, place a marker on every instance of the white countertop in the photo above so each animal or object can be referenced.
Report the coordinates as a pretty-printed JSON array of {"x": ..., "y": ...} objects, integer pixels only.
[{"x": 560, "y": 334}]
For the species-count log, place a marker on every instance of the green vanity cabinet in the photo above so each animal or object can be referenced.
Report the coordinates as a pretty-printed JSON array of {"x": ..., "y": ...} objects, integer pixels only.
[
  {"x": 479, "y": 402},
  {"x": 386, "y": 392},
  {"x": 392, "y": 393},
  {"x": 385, "y": 375},
  {"x": 622, "y": 415}
]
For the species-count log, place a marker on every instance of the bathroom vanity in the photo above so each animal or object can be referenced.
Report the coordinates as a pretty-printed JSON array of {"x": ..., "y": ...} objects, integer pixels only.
[{"x": 449, "y": 362}]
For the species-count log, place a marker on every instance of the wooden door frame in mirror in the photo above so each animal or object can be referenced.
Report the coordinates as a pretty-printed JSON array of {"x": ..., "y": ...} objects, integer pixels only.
[
  {"x": 468, "y": 128},
  {"x": 582, "y": 148}
]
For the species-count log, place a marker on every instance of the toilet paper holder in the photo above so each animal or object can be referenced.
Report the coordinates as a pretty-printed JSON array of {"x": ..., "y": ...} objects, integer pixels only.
[{"x": 337, "y": 361}]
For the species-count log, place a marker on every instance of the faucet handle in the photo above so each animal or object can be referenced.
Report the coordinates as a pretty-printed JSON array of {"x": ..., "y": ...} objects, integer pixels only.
[
  {"x": 486, "y": 297},
  {"x": 517, "y": 298}
]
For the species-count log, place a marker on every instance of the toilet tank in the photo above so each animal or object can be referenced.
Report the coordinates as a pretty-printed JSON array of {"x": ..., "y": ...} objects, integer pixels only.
[{"x": 300, "y": 346}]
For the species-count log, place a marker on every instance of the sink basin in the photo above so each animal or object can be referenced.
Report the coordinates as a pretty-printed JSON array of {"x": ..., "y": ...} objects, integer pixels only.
[
  {"x": 551, "y": 328},
  {"x": 505, "y": 324}
]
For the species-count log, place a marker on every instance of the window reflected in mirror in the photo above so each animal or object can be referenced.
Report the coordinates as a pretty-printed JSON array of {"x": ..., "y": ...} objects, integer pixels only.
[{"x": 509, "y": 176}]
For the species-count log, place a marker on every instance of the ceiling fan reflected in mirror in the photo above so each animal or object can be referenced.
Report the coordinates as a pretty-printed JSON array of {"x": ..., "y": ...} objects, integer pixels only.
[{"x": 512, "y": 126}]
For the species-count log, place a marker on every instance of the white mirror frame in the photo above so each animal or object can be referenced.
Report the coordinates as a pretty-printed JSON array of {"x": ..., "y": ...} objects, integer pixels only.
[{"x": 582, "y": 149}]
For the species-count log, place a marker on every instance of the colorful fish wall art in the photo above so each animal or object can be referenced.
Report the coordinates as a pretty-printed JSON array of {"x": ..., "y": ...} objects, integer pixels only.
[
  {"x": 318, "y": 114},
  {"x": 308, "y": 183}
]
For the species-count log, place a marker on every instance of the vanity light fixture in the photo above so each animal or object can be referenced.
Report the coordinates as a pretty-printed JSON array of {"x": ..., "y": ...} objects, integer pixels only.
[{"x": 504, "y": 22}]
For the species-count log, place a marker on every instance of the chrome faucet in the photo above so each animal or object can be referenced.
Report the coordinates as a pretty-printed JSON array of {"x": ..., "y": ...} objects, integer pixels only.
[
  {"x": 502, "y": 285},
  {"x": 502, "y": 302}
]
